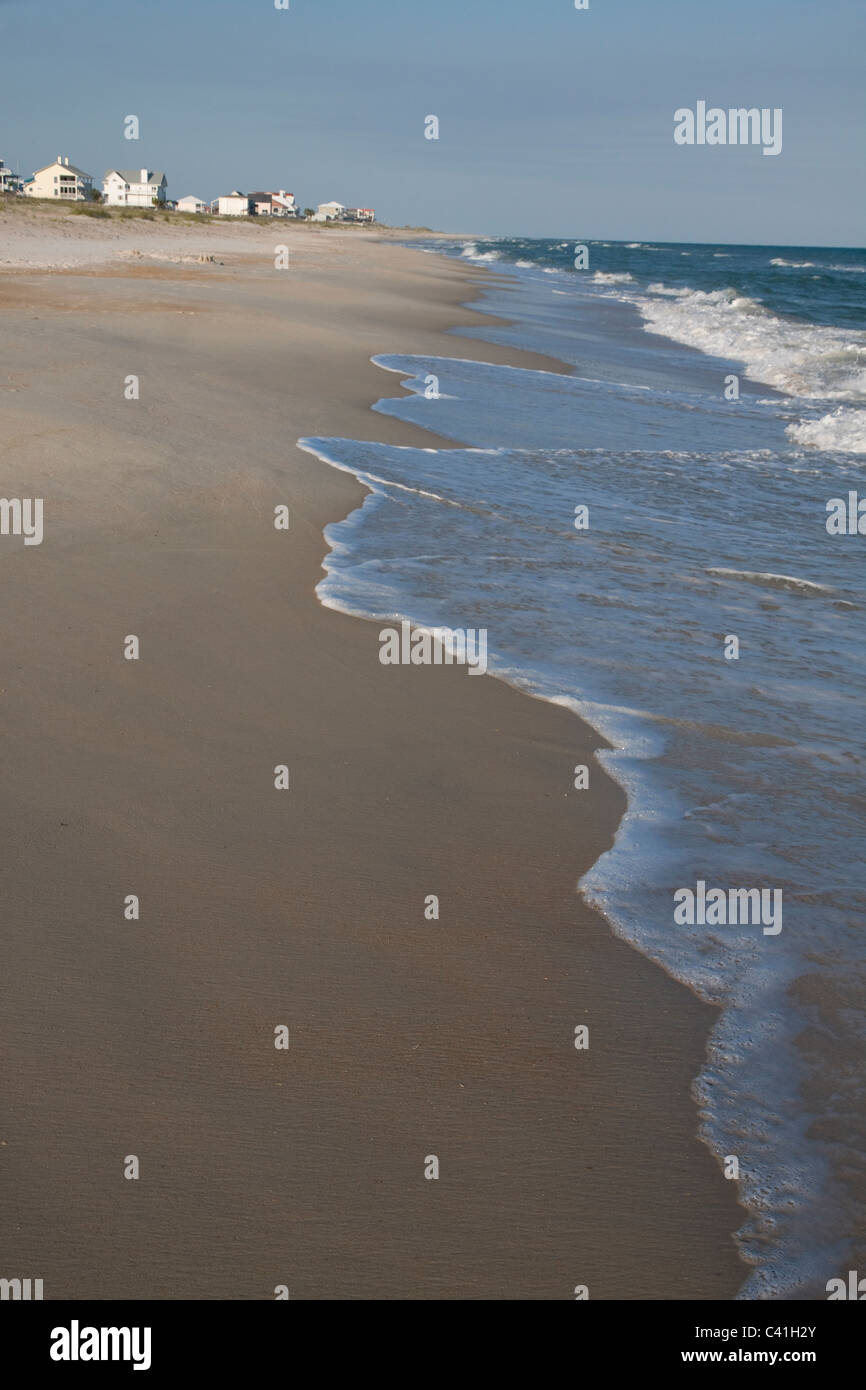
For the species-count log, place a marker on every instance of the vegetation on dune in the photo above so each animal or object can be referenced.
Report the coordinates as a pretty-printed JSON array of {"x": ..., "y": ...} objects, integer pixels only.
[{"x": 97, "y": 207}]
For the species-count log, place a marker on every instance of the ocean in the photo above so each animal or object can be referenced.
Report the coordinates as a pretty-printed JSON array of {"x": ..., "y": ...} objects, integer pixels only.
[{"x": 614, "y": 529}]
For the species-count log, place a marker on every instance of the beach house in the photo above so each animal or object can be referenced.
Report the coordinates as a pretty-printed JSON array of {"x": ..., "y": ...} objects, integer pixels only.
[
  {"x": 285, "y": 204},
  {"x": 360, "y": 215},
  {"x": 60, "y": 180},
  {"x": 329, "y": 212},
  {"x": 280, "y": 204},
  {"x": 8, "y": 181},
  {"x": 234, "y": 204},
  {"x": 134, "y": 188},
  {"x": 192, "y": 204},
  {"x": 260, "y": 204}
]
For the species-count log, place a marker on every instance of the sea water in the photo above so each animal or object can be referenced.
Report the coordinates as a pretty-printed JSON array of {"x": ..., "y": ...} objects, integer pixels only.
[{"x": 707, "y": 518}]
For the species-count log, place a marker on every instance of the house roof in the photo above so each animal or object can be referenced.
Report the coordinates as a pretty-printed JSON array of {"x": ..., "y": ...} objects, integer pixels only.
[
  {"x": 67, "y": 169},
  {"x": 134, "y": 175},
  {"x": 190, "y": 198}
]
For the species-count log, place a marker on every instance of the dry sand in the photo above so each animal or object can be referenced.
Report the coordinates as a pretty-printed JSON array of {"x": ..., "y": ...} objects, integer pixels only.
[
  {"x": 258, "y": 908},
  {"x": 36, "y": 236}
]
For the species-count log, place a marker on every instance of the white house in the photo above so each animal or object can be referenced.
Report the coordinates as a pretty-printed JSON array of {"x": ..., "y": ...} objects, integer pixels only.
[
  {"x": 8, "y": 180},
  {"x": 329, "y": 212},
  {"x": 284, "y": 204},
  {"x": 134, "y": 188},
  {"x": 234, "y": 205},
  {"x": 360, "y": 215},
  {"x": 60, "y": 180},
  {"x": 192, "y": 204}
]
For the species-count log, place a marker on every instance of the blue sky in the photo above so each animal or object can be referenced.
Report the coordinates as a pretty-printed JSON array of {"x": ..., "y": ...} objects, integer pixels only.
[{"x": 553, "y": 121}]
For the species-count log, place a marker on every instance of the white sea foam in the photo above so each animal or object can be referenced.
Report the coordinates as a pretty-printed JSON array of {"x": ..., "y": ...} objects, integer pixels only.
[
  {"x": 843, "y": 431},
  {"x": 472, "y": 253},
  {"x": 789, "y": 582},
  {"x": 605, "y": 277},
  {"x": 819, "y": 265},
  {"x": 799, "y": 359}
]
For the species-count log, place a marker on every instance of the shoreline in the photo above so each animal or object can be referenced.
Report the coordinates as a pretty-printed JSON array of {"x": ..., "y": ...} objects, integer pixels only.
[{"x": 468, "y": 999}]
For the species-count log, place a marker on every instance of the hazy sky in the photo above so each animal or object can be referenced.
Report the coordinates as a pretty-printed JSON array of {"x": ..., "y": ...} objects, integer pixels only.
[{"x": 553, "y": 121}]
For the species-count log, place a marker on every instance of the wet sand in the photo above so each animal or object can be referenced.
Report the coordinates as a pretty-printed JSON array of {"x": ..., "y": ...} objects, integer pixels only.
[{"x": 155, "y": 777}]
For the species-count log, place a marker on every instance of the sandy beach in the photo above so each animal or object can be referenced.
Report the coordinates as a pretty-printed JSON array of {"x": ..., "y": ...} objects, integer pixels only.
[{"x": 155, "y": 777}]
